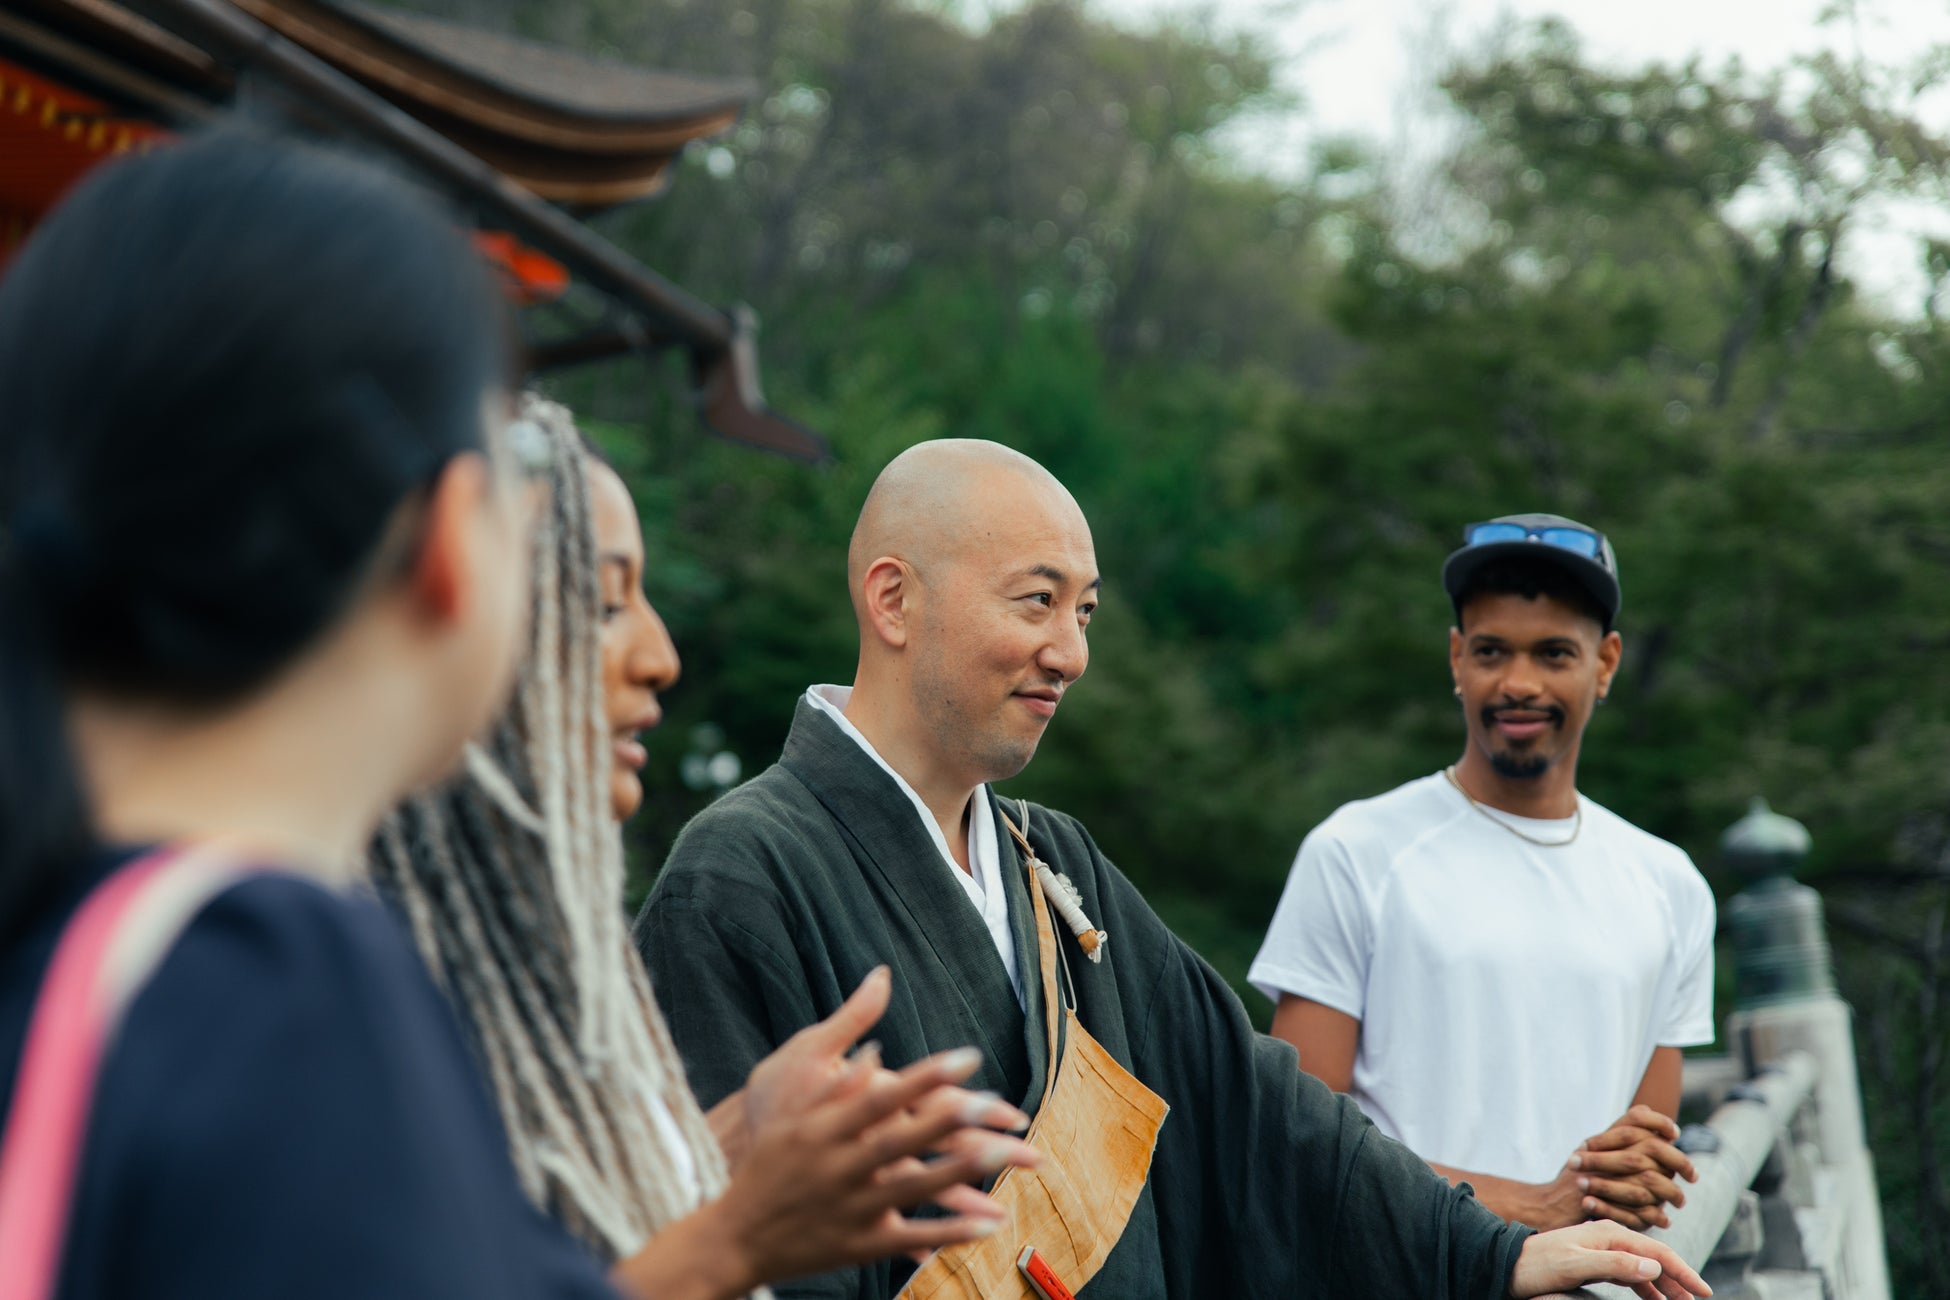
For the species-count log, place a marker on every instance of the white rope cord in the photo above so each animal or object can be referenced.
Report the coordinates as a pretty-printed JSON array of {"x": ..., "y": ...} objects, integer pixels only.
[
  {"x": 1059, "y": 889},
  {"x": 1068, "y": 902}
]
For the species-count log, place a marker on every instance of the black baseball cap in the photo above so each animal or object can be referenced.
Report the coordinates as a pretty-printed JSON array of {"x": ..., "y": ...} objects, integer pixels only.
[{"x": 1582, "y": 553}]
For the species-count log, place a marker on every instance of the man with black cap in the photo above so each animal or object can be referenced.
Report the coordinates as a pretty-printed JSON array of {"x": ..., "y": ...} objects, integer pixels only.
[{"x": 1491, "y": 964}]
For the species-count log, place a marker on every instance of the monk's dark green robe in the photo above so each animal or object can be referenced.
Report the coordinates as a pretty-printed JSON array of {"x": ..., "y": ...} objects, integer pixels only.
[{"x": 782, "y": 896}]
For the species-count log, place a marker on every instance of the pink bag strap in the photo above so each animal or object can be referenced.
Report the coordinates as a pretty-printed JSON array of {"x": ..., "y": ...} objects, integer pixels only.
[{"x": 109, "y": 949}]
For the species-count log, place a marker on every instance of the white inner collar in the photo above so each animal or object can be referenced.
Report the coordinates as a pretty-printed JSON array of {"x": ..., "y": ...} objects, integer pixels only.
[{"x": 983, "y": 881}]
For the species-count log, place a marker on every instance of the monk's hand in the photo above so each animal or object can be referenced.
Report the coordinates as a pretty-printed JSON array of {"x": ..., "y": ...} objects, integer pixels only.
[
  {"x": 1603, "y": 1252},
  {"x": 826, "y": 1187},
  {"x": 1632, "y": 1170}
]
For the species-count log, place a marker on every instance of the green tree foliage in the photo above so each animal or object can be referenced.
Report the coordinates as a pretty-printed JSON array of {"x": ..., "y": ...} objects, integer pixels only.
[{"x": 1280, "y": 403}]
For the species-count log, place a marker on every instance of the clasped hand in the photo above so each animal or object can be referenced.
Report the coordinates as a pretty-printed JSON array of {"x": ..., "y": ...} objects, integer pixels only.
[{"x": 1631, "y": 1171}]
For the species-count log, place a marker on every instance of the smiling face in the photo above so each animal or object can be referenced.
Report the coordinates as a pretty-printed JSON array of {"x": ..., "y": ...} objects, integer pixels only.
[
  {"x": 1530, "y": 670},
  {"x": 1000, "y": 633},
  {"x": 638, "y": 657}
]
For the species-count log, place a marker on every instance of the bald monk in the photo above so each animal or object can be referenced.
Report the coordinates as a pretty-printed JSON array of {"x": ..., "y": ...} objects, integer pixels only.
[{"x": 1187, "y": 1157}]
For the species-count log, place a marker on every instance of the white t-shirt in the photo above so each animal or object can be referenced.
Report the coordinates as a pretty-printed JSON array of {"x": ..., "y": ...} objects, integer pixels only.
[
  {"x": 1509, "y": 995},
  {"x": 983, "y": 882}
]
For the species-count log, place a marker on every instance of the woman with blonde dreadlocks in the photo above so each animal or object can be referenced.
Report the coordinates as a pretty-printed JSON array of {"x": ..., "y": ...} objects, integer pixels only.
[{"x": 511, "y": 877}]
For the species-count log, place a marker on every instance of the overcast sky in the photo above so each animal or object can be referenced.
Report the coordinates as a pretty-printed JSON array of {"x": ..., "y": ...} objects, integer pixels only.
[{"x": 1365, "y": 67}]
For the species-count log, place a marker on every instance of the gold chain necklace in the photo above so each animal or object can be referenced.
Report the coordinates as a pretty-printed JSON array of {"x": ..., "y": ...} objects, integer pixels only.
[{"x": 1577, "y": 818}]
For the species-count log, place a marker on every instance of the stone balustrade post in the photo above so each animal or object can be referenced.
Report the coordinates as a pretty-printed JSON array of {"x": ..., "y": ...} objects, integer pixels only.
[{"x": 1785, "y": 999}]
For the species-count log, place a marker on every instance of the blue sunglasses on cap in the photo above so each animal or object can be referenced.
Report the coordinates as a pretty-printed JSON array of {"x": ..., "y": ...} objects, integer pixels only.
[{"x": 1578, "y": 541}]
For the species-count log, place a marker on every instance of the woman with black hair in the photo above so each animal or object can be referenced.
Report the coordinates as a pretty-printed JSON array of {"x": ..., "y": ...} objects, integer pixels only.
[{"x": 263, "y": 553}]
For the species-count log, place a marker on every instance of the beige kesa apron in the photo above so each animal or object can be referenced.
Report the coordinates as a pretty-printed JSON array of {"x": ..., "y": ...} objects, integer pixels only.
[{"x": 1097, "y": 1127}]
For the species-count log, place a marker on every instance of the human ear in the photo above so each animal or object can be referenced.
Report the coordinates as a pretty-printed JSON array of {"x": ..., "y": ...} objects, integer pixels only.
[
  {"x": 446, "y": 564},
  {"x": 886, "y": 587},
  {"x": 1456, "y": 657},
  {"x": 1610, "y": 650}
]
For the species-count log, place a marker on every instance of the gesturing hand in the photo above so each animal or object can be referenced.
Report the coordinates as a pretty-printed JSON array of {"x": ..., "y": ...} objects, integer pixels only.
[
  {"x": 1603, "y": 1252},
  {"x": 834, "y": 1149},
  {"x": 1630, "y": 1171},
  {"x": 811, "y": 1064},
  {"x": 804, "y": 1070}
]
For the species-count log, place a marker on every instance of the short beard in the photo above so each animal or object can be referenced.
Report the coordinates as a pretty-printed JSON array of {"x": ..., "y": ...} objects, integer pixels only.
[{"x": 1520, "y": 767}]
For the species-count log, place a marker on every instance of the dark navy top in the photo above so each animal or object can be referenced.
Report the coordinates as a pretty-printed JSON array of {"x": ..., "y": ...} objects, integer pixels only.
[{"x": 289, "y": 1111}]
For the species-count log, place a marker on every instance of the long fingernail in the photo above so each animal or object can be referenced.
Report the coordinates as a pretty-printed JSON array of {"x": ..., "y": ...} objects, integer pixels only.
[
  {"x": 1577, "y": 1162},
  {"x": 987, "y": 1227},
  {"x": 1648, "y": 1268},
  {"x": 963, "y": 1060},
  {"x": 976, "y": 1107},
  {"x": 1584, "y": 1184},
  {"x": 867, "y": 1054},
  {"x": 997, "y": 1154},
  {"x": 990, "y": 1111}
]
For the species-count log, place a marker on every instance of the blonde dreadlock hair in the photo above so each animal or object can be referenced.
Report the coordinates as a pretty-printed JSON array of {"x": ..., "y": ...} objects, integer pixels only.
[{"x": 511, "y": 876}]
